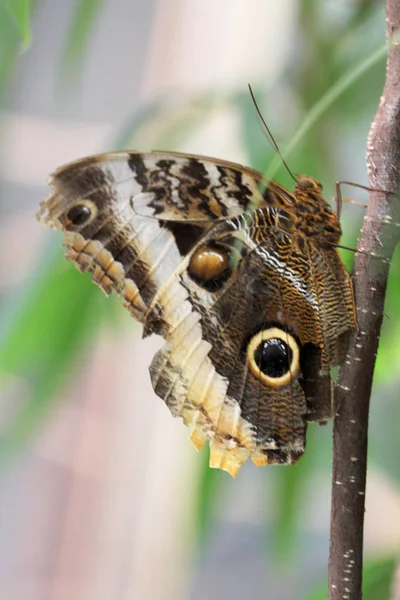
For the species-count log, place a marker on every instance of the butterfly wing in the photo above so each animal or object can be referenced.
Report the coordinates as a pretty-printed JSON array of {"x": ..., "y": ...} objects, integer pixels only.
[
  {"x": 170, "y": 186},
  {"x": 208, "y": 255},
  {"x": 131, "y": 218}
]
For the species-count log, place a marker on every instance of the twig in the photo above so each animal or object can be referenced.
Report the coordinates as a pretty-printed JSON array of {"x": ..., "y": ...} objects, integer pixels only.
[{"x": 379, "y": 237}]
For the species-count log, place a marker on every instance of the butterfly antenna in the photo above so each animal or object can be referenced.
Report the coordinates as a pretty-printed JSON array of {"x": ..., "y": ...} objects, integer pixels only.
[{"x": 269, "y": 134}]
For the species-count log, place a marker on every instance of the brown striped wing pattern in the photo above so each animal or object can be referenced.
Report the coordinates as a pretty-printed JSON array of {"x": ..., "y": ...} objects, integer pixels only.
[{"x": 240, "y": 277}]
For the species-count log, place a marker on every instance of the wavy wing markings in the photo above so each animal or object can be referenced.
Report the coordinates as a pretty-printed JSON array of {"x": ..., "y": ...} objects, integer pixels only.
[{"x": 137, "y": 254}]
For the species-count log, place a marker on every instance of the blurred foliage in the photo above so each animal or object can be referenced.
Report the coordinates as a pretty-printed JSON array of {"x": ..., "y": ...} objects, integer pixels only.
[
  {"x": 15, "y": 34},
  {"x": 164, "y": 121},
  {"x": 21, "y": 12},
  {"x": 209, "y": 483},
  {"x": 42, "y": 334},
  {"x": 377, "y": 581},
  {"x": 80, "y": 29},
  {"x": 330, "y": 93}
]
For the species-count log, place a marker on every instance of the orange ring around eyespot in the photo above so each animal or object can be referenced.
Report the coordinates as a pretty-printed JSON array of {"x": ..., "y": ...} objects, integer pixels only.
[{"x": 294, "y": 368}]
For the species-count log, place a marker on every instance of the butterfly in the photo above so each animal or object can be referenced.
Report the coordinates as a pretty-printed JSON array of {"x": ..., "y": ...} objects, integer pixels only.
[{"x": 241, "y": 277}]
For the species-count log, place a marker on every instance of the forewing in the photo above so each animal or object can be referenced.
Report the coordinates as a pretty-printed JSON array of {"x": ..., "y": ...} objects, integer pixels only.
[
  {"x": 170, "y": 186},
  {"x": 146, "y": 212}
]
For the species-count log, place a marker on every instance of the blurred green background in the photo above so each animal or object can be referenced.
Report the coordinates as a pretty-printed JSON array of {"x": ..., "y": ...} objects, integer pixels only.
[{"x": 102, "y": 495}]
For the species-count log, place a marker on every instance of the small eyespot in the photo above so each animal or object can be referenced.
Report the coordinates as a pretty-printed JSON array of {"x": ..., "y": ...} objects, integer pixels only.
[
  {"x": 210, "y": 266},
  {"x": 273, "y": 356},
  {"x": 80, "y": 214}
]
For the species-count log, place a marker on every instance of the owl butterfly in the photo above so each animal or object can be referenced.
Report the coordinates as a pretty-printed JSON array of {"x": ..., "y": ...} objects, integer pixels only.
[{"x": 240, "y": 277}]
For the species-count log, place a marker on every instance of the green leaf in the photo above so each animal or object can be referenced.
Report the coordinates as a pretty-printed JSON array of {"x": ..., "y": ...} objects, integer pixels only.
[
  {"x": 21, "y": 11},
  {"x": 378, "y": 578},
  {"x": 291, "y": 484},
  {"x": 83, "y": 21},
  {"x": 41, "y": 334},
  {"x": 10, "y": 43},
  {"x": 209, "y": 483},
  {"x": 150, "y": 111},
  {"x": 324, "y": 103},
  {"x": 388, "y": 358},
  {"x": 377, "y": 581},
  {"x": 170, "y": 124}
]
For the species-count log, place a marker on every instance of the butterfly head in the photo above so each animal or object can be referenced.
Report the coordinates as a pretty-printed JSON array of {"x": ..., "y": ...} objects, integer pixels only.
[{"x": 307, "y": 185}]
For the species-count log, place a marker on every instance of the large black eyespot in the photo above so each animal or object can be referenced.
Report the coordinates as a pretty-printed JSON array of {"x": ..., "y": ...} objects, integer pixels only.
[
  {"x": 80, "y": 214},
  {"x": 273, "y": 356},
  {"x": 210, "y": 265}
]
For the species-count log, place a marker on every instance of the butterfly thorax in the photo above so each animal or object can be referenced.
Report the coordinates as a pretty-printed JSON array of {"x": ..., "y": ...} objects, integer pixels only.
[{"x": 315, "y": 218}]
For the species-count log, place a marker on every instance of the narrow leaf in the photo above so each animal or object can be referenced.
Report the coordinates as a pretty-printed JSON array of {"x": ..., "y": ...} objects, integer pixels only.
[
  {"x": 21, "y": 11},
  {"x": 81, "y": 27},
  {"x": 41, "y": 334}
]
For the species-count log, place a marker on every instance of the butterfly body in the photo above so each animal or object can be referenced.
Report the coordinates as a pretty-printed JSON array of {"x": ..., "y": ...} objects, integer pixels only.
[{"x": 240, "y": 277}]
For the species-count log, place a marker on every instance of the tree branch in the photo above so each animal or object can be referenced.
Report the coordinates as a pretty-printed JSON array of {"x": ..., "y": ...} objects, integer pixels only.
[{"x": 379, "y": 237}]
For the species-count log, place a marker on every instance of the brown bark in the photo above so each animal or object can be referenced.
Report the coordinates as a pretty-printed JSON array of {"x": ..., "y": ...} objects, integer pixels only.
[{"x": 379, "y": 237}]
